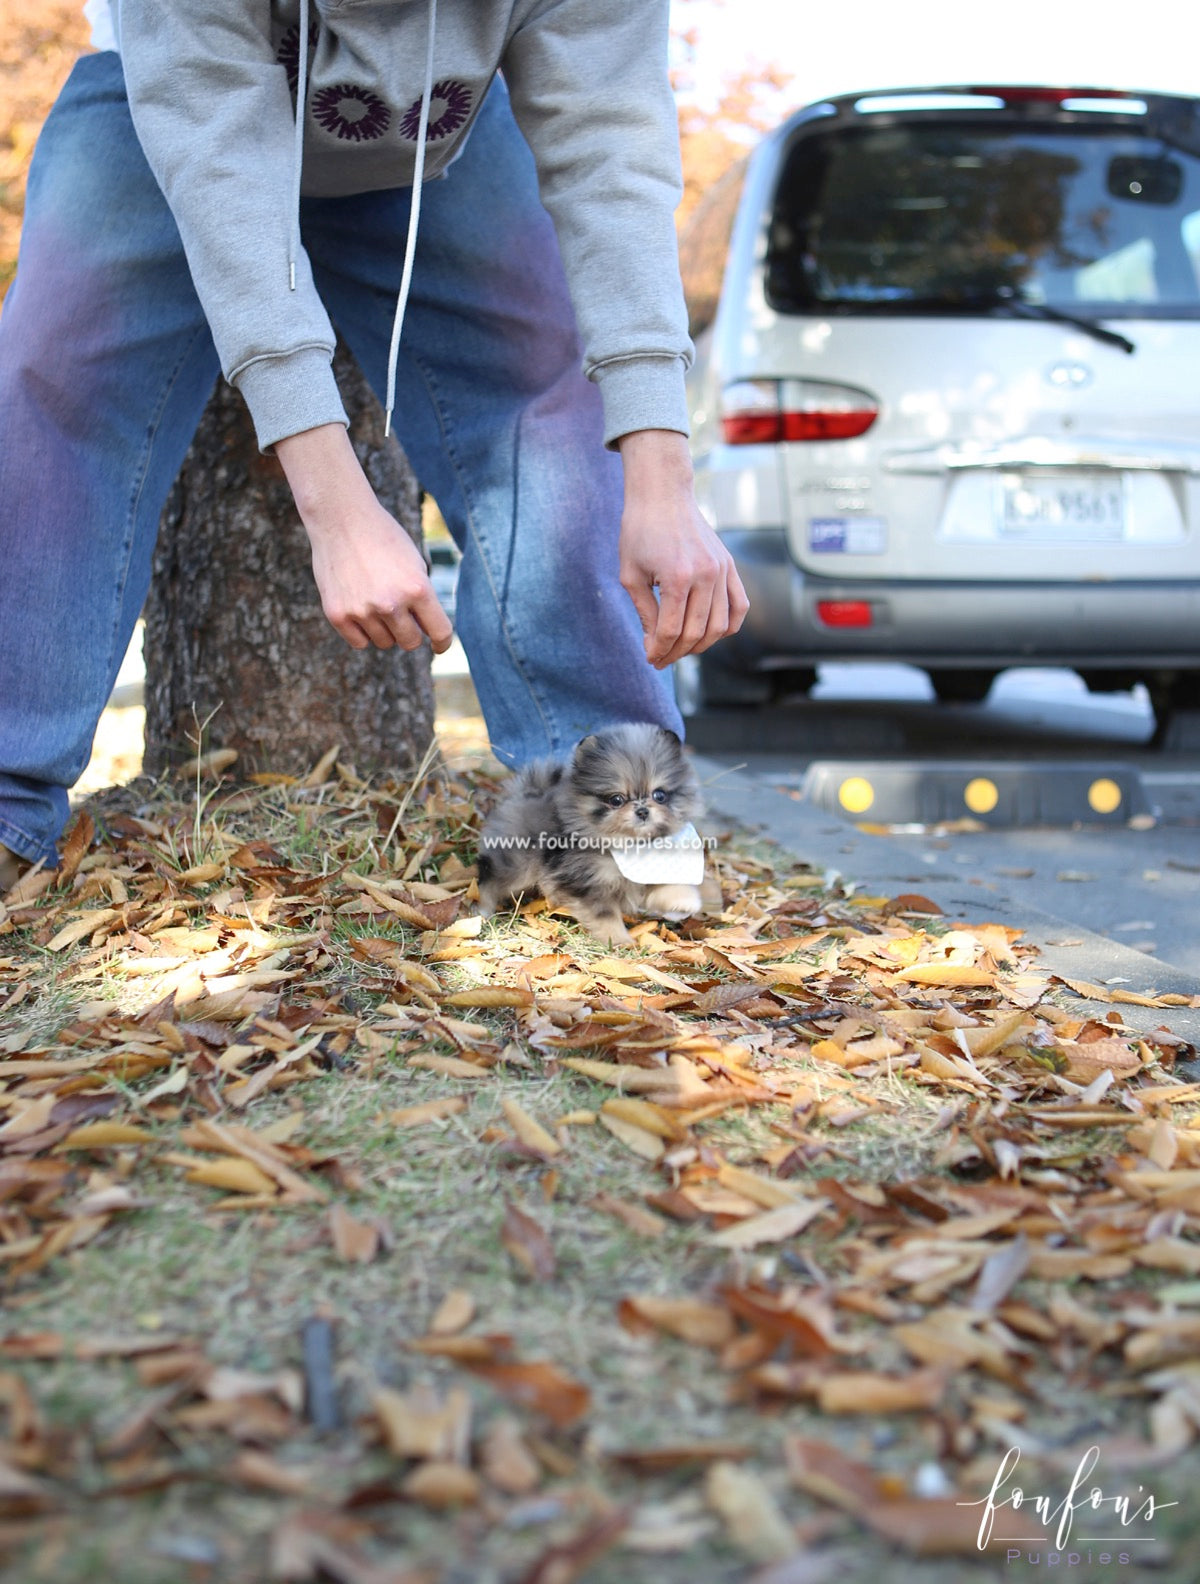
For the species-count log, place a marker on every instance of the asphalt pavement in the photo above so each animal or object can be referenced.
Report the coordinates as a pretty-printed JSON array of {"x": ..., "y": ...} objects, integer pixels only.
[{"x": 1115, "y": 903}]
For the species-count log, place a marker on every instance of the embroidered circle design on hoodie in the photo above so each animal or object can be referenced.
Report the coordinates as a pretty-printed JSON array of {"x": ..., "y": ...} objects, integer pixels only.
[
  {"x": 288, "y": 53},
  {"x": 449, "y": 106},
  {"x": 351, "y": 113}
]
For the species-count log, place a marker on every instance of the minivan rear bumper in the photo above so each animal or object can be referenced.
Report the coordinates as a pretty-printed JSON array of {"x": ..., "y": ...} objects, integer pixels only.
[{"x": 926, "y": 622}]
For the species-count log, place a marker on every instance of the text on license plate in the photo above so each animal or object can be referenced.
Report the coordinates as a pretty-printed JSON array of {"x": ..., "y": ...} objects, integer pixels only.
[{"x": 1063, "y": 507}]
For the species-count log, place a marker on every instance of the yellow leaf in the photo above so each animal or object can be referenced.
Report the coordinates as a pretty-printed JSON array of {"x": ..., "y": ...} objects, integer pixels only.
[
  {"x": 862, "y": 1391},
  {"x": 442, "y": 1485},
  {"x": 529, "y": 1131},
  {"x": 690, "y": 1319},
  {"x": 235, "y": 1175},
  {"x": 635, "y": 1138},
  {"x": 951, "y": 974},
  {"x": 749, "y": 1512},
  {"x": 490, "y": 996},
  {"x": 772, "y": 1226},
  {"x": 642, "y": 1114},
  {"x": 429, "y": 1110},
  {"x": 353, "y": 1241},
  {"x": 99, "y": 1135},
  {"x": 88, "y": 924},
  {"x": 31, "y": 1118},
  {"x": 766, "y": 1191},
  {"x": 450, "y": 1066},
  {"x": 453, "y": 1314}
]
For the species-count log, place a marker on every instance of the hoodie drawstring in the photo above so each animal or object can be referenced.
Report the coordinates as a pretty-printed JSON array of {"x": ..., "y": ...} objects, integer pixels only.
[
  {"x": 414, "y": 216},
  {"x": 298, "y": 140}
]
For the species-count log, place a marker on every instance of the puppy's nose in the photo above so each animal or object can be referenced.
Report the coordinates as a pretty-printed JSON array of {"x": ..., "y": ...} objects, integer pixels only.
[{"x": 642, "y": 812}]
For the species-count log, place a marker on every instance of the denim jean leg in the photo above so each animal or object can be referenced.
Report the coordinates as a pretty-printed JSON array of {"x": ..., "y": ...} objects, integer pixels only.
[
  {"x": 503, "y": 429},
  {"x": 106, "y": 364}
]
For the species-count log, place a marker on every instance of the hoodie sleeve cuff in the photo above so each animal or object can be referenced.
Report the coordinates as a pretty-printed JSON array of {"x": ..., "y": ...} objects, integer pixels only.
[
  {"x": 289, "y": 394},
  {"x": 641, "y": 393}
]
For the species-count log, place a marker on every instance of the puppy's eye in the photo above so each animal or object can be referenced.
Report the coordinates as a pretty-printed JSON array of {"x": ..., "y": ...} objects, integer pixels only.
[
  {"x": 659, "y": 795},
  {"x": 617, "y": 800}
]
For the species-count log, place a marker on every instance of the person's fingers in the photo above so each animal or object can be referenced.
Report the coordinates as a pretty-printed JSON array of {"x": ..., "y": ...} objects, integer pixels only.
[
  {"x": 671, "y": 612},
  {"x": 430, "y": 618},
  {"x": 350, "y": 630},
  {"x": 377, "y": 628},
  {"x": 739, "y": 603},
  {"x": 718, "y": 619},
  {"x": 640, "y": 589},
  {"x": 696, "y": 623}
]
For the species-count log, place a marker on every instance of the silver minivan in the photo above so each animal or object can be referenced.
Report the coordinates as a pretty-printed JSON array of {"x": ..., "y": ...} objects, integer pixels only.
[{"x": 946, "y": 399}]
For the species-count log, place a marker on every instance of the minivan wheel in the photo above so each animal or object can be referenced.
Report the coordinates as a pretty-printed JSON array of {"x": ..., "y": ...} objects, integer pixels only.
[
  {"x": 704, "y": 683},
  {"x": 961, "y": 687},
  {"x": 1175, "y": 699}
]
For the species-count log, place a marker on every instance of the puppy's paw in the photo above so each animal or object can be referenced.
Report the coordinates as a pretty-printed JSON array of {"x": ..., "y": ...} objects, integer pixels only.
[
  {"x": 672, "y": 902},
  {"x": 606, "y": 927}
]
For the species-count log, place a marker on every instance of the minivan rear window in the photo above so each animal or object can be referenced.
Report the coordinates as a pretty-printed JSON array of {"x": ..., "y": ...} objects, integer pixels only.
[{"x": 943, "y": 217}]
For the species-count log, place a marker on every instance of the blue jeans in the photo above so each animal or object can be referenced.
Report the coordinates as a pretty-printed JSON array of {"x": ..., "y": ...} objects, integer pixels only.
[{"x": 106, "y": 365}]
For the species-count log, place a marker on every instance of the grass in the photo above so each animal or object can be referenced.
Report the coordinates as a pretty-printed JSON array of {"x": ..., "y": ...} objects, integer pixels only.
[{"x": 244, "y": 1282}]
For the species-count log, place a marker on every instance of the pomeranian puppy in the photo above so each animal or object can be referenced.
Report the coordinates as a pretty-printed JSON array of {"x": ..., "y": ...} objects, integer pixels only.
[{"x": 553, "y": 831}]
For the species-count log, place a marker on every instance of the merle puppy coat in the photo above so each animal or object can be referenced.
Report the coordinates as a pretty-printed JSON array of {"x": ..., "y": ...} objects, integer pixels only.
[{"x": 553, "y": 831}]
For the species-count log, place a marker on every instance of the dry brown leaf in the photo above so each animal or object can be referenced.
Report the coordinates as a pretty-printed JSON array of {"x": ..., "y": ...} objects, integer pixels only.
[
  {"x": 749, "y": 1512},
  {"x": 449, "y": 1066},
  {"x": 645, "y": 1115},
  {"x": 538, "y": 1385},
  {"x": 947, "y": 975},
  {"x": 852, "y": 1391},
  {"x": 355, "y": 1242},
  {"x": 418, "y": 1424},
  {"x": 506, "y": 1462},
  {"x": 565, "y": 1563},
  {"x": 772, "y": 1226},
  {"x": 442, "y": 1485},
  {"x": 528, "y": 1243},
  {"x": 234, "y": 1176},
  {"x": 530, "y": 1132},
  {"x": 430, "y": 1110},
  {"x": 634, "y": 1216},
  {"x": 453, "y": 1314},
  {"x": 490, "y": 996},
  {"x": 648, "y": 1145},
  {"x": 690, "y": 1319}
]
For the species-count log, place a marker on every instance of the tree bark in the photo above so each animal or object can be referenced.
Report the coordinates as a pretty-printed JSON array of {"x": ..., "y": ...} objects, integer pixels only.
[{"x": 234, "y": 627}]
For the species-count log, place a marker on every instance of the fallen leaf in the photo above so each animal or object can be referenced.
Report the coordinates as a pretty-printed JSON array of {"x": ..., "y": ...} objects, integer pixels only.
[
  {"x": 773, "y": 1226},
  {"x": 690, "y": 1319},
  {"x": 528, "y": 1243},
  {"x": 538, "y": 1385},
  {"x": 453, "y": 1314},
  {"x": 749, "y": 1512},
  {"x": 355, "y": 1242}
]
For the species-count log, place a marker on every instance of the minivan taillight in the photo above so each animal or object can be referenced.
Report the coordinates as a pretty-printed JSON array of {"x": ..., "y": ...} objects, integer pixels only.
[{"x": 757, "y": 412}]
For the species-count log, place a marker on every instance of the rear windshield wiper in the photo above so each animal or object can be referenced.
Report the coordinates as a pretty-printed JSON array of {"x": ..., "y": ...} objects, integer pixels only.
[{"x": 1003, "y": 302}]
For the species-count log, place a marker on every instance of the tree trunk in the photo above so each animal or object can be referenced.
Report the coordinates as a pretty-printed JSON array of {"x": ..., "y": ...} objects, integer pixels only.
[{"x": 234, "y": 627}]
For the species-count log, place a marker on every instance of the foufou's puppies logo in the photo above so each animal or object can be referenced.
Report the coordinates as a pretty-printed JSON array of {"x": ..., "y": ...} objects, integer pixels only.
[{"x": 1119, "y": 1520}]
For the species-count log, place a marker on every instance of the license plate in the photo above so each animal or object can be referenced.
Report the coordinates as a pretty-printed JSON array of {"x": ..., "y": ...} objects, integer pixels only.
[{"x": 1062, "y": 507}]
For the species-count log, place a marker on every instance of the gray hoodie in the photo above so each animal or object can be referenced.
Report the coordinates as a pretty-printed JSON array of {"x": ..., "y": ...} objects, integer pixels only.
[{"x": 210, "y": 87}]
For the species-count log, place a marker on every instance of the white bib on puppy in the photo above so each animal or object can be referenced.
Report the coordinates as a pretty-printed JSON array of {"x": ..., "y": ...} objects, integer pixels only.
[{"x": 662, "y": 860}]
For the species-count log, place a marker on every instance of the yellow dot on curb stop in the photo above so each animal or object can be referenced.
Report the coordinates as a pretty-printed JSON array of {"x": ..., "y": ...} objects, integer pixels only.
[
  {"x": 856, "y": 795},
  {"x": 1104, "y": 796},
  {"x": 981, "y": 795}
]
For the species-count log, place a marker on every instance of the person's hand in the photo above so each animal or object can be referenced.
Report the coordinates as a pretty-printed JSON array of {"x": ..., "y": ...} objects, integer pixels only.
[
  {"x": 666, "y": 542},
  {"x": 371, "y": 577}
]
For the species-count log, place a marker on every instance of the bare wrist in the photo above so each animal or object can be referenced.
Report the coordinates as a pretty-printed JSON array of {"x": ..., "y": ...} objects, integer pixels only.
[
  {"x": 321, "y": 469},
  {"x": 662, "y": 453}
]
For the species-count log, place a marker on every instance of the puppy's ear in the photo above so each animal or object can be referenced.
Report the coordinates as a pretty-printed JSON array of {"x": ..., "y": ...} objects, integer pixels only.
[
  {"x": 584, "y": 746},
  {"x": 672, "y": 737}
]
